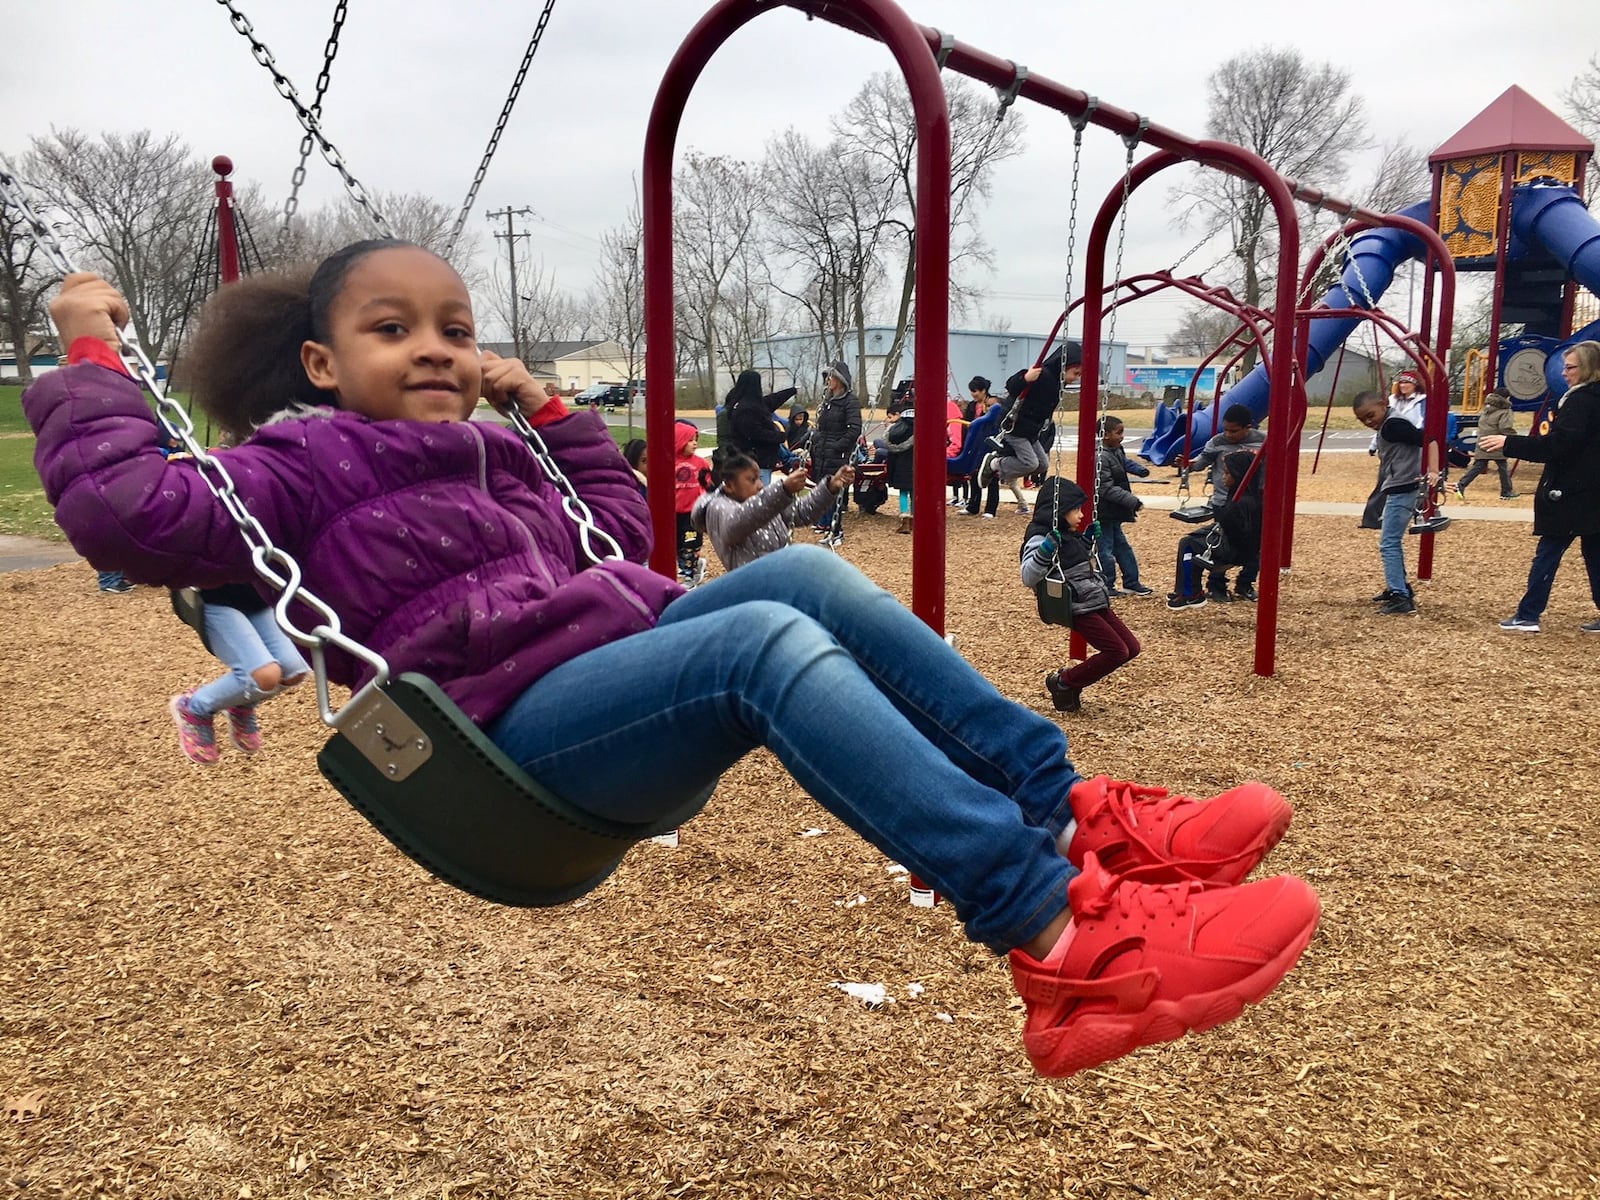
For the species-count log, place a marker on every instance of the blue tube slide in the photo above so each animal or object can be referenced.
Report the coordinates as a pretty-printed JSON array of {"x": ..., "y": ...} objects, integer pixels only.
[
  {"x": 1555, "y": 218},
  {"x": 974, "y": 445},
  {"x": 1369, "y": 270}
]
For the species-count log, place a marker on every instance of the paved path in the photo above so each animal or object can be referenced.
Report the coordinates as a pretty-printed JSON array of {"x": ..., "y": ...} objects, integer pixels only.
[
  {"x": 1339, "y": 508},
  {"x": 24, "y": 554}
]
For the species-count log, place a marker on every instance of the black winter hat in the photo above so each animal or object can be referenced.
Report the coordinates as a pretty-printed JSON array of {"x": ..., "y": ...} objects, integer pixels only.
[
  {"x": 746, "y": 387},
  {"x": 1237, "y": 464},
  {"x": 1053, "y": 491}
]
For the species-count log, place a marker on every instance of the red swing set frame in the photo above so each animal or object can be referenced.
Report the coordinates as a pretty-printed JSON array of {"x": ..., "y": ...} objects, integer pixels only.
[{"x": 921, "y": 54}]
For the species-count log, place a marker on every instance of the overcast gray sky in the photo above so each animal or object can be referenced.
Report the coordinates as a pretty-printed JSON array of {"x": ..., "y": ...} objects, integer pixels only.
[{"x": 419, "y": 83}]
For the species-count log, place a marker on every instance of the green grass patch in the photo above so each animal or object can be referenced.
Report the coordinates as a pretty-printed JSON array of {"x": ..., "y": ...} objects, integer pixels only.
[
  {"x": 24, "y": 512},
  {"x": 11, "y": 418}
]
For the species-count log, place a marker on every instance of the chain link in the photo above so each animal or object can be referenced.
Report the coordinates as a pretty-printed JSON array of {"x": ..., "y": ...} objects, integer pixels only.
[
  {"x": 571, "y": 503},
  {"x": 308, "y": 120},
  {"x": 1131, "y": 141},
  {"x": 499, "y": 128},
  {"x": 299, "y": 177},
  {"x": 273, "y": 564}
]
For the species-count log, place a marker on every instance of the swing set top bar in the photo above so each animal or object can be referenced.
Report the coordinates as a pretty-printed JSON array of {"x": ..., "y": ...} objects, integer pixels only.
[{"x": 1003, "y": 74}]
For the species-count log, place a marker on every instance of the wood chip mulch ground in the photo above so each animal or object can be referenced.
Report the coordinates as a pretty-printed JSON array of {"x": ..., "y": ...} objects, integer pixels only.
[{"x": 222, "y": 983}]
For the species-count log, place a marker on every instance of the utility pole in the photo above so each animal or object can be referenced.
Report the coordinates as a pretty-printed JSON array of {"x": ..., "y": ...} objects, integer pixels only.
[{"x": 511, "y": 235}]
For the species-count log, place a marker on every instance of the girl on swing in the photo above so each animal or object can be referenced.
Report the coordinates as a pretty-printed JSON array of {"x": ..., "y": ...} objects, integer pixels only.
[{"x": 444, "y": 547}]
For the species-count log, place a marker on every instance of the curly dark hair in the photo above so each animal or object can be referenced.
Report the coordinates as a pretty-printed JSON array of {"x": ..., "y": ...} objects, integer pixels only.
[{"x": 245, "y": 362}]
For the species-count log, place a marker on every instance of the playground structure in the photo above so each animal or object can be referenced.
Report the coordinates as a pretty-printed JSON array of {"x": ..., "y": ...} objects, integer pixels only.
[
  {"x": 1507, "y": 197},
  {"x": 922, "y": 54}
]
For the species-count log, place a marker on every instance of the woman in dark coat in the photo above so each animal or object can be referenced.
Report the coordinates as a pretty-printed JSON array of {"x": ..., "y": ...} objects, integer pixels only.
[
  {"x": 1566, "y": 508},
  {"x": 755, "y": 429},
  {"x": 833, "y": 444}
]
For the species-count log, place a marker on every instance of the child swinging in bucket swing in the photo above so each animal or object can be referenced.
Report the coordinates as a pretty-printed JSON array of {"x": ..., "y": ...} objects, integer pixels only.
[
  {"x": 1052, "y": 544},
  {"x": 443, "y": 544}
]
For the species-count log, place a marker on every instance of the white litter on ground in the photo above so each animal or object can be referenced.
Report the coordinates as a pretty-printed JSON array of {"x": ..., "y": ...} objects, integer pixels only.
[
  {"x": 873, "y": 995},
  {"x": 914, "y": 990},
  {"x": 813, "y": 832},
  {"x": 857, "y": 902},
  {"x": 897, "y": 869}
]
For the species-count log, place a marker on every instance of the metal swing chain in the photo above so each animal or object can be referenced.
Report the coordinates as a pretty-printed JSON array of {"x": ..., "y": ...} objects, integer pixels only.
[
  {"x": 1131, "y": 141},
  {"x": 308, "y": 120},
  {"x": 571, "y": 503},
  {"x": 273, "y": 564},
  {"x": 299, "y": 176},
  {"x": 499, "y": 128},
  {"x": 1080, "y": 122}
]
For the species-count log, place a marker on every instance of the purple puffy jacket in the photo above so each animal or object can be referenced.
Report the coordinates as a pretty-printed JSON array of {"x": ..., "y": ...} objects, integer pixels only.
[{"x": 441, "y": 546}]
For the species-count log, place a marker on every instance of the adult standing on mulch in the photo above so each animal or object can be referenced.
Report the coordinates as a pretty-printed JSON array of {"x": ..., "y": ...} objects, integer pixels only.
[
  {"x": 838, "y": 429},
  {"x": 1567, "y": 505}
]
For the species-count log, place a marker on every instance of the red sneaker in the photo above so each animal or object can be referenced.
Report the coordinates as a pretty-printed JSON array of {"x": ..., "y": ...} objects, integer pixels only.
[
  {"x": 1162, "y": 838},
  {"x": 1144, "y": 963}
]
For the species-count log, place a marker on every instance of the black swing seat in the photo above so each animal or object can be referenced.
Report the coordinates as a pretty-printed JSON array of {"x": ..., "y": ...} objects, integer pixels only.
[
  {"x": 451, "y": 800},
  {"x": 1193, "y": 514},
  {"x": 1054, "y": 598},
  {"x": 1431, "y": 524}
]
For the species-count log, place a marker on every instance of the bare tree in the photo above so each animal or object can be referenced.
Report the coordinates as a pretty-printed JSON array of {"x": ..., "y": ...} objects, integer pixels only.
[
  {"x": 1582, "y": 99},
  {"x": 1200, "y": 330},
  {"x": 714, "y": 225},
  {"x": 1400, "y": 179},
  {"x": 411, "y": 216},
  {"x": 616, "y": 303},
  {"x": 878, "y": 129},
  {"x": 824, "y": 231},
  {"x": 135, "y": 208},
  {"x": 1298, "y": 116},
  {"x": 25, "y": 280}
]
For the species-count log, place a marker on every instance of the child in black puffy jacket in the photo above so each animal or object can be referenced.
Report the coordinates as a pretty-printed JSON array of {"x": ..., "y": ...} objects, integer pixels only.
[
  {"x": 1234, "y": 540},
  {"x": 1053, "y": 545}
]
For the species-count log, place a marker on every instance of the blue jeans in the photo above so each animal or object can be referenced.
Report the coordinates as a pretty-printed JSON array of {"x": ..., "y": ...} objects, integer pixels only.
[
  {"x": 110, "y": 579},
  {"x": 1115, "y": 552},
  {"x": 1398, "y": 509},
  {"x": 871, "y": 711},
  {"x": 1542, "y": 574},
  {"x": 246, "y": 642}
]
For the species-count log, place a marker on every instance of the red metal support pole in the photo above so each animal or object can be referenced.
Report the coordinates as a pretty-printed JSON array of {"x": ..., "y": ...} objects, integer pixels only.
[
  {"x": 908, "y": 42},
  {"x": 227, "y": 231},
  {"x": 1280, "y": 374}
]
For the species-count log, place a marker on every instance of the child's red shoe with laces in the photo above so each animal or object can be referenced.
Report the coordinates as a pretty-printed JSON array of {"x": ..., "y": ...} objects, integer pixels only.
[
  {"x": 1162, "y": 838},
  {"x": 1145, "y": 963}
]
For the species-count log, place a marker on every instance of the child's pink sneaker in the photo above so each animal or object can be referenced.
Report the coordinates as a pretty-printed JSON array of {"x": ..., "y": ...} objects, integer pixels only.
[
  {"x": 244, "y": 727},
  {"x": 1144, "y": 963},
  {"x": 197, "y": 736},
  {"x": 1162, "y": 838}
]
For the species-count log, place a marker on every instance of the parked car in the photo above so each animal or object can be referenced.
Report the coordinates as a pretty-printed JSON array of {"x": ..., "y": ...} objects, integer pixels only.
[{"x": 611, "y": 396}]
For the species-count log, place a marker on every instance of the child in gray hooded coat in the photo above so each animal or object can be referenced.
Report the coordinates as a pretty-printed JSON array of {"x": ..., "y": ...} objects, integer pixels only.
[{"x": 746, "y": 519}]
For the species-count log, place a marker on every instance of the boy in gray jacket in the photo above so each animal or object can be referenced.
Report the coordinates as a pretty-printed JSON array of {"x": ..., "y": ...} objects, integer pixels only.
[
  {"x": 1399, "y": 449},
  {"x": 746, "y": 520}
]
